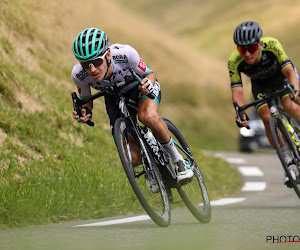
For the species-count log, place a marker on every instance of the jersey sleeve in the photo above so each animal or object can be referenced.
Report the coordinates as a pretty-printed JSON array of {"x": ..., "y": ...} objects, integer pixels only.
[
  {"x": 84, "y": 90},
  {"x": 273, "y": 45},
  {"x": 233, "y": 63},
  {"x": 138, "y": 65}
]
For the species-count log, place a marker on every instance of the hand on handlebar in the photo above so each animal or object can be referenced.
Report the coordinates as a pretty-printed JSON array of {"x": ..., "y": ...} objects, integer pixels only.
[
  {"x": 84, "y": 118},
  {"x": 243, "y": 122},
  {"x": 146, "y": 86},
  {"x": 295, "y": 97}
]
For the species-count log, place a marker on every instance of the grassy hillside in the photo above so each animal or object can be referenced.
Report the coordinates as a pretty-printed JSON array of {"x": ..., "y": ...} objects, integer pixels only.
[
  {"x": 187, "y": 76},
  {"x": 208, "y": 26},
  {"x": 53, "y": 169}
]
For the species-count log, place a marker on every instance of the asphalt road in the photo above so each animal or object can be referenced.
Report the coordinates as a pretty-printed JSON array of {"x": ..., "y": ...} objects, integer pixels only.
[{"x": 266, "y": 214}]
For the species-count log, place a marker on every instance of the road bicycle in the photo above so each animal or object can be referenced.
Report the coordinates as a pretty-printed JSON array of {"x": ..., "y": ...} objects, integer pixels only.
[
  {"x": 144, "y": 159},
  {"x": 285, "y": 132}
]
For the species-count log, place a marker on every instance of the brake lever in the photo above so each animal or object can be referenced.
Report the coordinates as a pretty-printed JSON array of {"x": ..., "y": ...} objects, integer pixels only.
[
  {"x": 77, "y": 107},
  {"x": 239, "y": 113},
  {"x": 76, "y": 104}
]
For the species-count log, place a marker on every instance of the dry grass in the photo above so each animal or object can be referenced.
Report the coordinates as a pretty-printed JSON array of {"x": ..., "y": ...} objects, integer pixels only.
[
  {"x": 3, "y": 136},
  {"x": 182, "y": 69},
  {"x": 175, "y": 60},
  {"x": 52, "y": 168}
]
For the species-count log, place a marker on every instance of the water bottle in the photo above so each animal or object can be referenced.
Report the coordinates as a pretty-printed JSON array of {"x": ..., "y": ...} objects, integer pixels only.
[{"x": 150, "y": 139}]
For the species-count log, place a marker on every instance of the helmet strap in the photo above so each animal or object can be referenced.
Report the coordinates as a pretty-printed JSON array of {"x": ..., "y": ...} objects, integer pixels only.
[{"x": 108, "y": 65}]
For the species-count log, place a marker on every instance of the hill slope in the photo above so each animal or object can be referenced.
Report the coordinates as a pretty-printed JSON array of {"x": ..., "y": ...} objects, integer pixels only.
[
  {"x": 209, "y": 25},
  {"x": 53, "y": 169}
]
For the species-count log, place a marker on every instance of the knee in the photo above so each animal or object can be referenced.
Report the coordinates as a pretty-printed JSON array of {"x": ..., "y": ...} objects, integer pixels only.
[
  {"x": 293, "y": 111},
  {"x": 266, "y": 119},
  {"x": 148, "y": 118}
]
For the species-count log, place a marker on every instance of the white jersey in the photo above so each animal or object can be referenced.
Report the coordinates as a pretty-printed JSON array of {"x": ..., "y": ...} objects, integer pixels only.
[{"x": 123, "y": 57}]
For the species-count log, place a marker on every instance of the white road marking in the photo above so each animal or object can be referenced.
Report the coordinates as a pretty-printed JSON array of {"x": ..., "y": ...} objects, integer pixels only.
[
  {"x": 248, "y": 186},
  {"x": 235, "y": 160},
  {"x": 226, "y": 201},
  {"x": 250, "y": 171},
  {"x": 220, "y": 202},
  {"x": 119, "y": 221},
  {"x": 254, "y": 186}
]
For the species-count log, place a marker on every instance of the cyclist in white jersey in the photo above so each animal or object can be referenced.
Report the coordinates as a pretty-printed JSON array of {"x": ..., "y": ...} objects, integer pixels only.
[{"x": 99, "y": 65}]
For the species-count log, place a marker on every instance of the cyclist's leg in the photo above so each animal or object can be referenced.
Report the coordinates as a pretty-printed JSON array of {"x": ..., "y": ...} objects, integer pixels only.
[
  {"x": 113, "y": 114},
  {"x": 292, "y": 109},
  {"x": 258, "y": 90},
  {"x": 148, "y": 115}
]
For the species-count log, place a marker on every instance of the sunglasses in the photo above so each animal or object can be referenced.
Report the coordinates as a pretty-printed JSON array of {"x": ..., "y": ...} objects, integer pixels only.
[
  {"x": 95, "y": 62},
  {"x": 251, "y": 49}
]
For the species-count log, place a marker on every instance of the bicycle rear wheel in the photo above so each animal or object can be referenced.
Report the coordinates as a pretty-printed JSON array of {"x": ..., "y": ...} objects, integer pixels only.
[
  {"x": 130, "y": 151},
  {"x": 278, "y": 129},
  {"x": 194, "y": 194}
]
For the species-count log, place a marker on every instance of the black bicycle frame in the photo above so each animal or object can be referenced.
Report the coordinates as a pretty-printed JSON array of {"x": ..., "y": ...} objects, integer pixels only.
[
  {"x": 161, "y": 157},
  {"x": 273, "y": 109},
  {"x": 239, "y": 109}
]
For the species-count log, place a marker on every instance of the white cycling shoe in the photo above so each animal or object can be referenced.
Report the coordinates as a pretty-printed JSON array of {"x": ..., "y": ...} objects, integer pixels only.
[
  {"x": 152, "y": 185},
  {"x": 293, "y": 174},
  {"x": 184, "y": 172}
]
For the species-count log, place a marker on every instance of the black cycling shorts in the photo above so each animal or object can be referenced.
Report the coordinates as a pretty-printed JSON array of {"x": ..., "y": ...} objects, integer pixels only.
[{"x": 112, "y": 108}]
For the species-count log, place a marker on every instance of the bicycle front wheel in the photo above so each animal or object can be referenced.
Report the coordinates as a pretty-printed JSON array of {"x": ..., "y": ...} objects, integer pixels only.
[
  {"x": 139, "y": 164},
  {"x": 194, "y": 194},
  {"x": 278, "y": 131}
]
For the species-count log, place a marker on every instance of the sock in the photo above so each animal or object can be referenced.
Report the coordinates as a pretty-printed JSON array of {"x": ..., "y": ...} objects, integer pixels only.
[{"x": 172, "y": 150}]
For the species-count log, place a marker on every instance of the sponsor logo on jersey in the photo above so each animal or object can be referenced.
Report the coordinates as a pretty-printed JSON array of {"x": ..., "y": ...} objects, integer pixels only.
[
  {"x": 79, "y": 90},
  {"x": 232, "y": 64},
  {"x": 272, "y": 45},
  {"x": 82, "y": 74},
  {"x": 120, "y": 59},
  {"x": 142, "y": 65}
]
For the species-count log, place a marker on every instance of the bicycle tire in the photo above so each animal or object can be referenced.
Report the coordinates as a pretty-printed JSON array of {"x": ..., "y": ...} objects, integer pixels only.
[
  {"x": 194, "y": 194},
  {"x": 277, "y": 125},
  {"x": 157, "y": 207}
]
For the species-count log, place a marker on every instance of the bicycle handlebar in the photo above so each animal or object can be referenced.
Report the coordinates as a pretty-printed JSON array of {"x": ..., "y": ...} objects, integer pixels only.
[
  {"x": 78, "y": 103},
  {"x": 239, "y": 109}
]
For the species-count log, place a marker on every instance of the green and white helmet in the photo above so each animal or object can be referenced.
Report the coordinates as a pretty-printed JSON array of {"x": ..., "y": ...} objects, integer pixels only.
[{"x": 89, "y": 44}]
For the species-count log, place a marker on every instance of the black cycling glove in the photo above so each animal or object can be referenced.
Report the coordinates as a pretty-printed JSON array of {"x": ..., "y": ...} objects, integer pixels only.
[{"x": 238, "y": 124}]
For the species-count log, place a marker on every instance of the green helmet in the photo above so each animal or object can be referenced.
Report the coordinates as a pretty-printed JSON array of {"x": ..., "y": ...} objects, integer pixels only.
[{"x": 89, "y": 44}]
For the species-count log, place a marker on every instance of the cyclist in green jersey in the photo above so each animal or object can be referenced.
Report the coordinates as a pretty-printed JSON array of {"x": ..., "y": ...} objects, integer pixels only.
[{"x": 265, "y": 62}]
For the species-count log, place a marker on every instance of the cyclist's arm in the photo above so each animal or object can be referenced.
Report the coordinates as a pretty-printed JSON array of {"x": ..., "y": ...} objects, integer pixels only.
[
  {"x": 141, "y": 68},
  {"x": 273, "y": 45},
  {"x": 84, "y": 91},
  {"x": 237, "y": 96},
  {"x": 145, "y": 83},
  {"x": 290, "y": 74}
]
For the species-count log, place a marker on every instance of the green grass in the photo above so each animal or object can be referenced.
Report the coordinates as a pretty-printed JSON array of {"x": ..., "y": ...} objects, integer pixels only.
[{"x": 53, "y": 169}]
